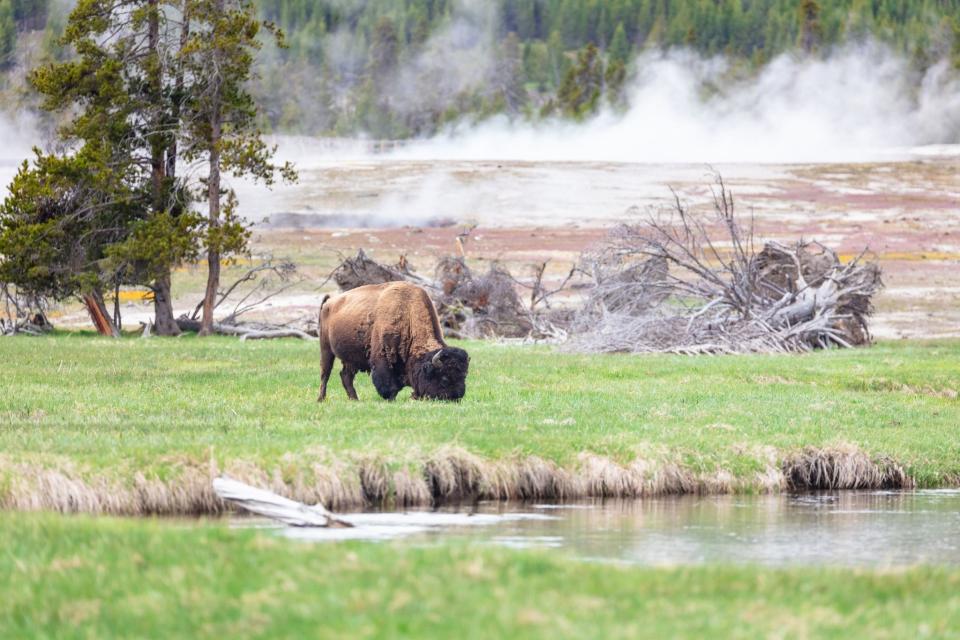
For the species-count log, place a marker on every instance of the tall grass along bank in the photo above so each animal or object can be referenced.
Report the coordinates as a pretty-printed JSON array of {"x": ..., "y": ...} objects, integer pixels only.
[{"x": 142, "y": 426}]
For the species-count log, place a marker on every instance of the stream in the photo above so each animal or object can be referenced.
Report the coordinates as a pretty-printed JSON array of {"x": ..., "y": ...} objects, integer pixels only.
[{"x": 852, "y": 528}]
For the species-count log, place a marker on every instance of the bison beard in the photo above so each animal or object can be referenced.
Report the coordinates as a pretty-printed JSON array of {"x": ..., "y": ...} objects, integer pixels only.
[{"x": 392, "y": 331}]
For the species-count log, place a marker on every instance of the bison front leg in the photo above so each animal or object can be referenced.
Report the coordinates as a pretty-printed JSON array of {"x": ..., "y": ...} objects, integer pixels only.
[
  {"x": 386, "y": 380},
  {"x": 347, "y": 374}
]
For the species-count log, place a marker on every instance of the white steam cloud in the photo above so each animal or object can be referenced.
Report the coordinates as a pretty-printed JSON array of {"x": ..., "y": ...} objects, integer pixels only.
[
  {"x": 17, "y": 138},
  {"x": 455, "y": 58},
  {"x": 863, "y": 103}
]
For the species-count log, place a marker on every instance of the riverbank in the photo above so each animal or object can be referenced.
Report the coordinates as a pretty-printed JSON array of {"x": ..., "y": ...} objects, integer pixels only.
[{"x": 141, "y": 426}]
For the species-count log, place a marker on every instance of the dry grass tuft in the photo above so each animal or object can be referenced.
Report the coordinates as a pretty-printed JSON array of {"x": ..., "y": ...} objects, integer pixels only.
[
  {"x": 844, "y": 466},
  {"x": 410, "y": 490},
  {"x": 450, "y": 474},
  {"x": 455, "y": 475}
]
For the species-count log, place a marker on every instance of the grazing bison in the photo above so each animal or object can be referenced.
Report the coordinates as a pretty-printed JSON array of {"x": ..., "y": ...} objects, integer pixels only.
[{"x": 392, "y": 331}]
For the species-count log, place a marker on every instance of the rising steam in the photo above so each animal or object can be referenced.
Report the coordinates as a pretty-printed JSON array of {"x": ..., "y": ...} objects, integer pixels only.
[{"x": 863, "y": 103}]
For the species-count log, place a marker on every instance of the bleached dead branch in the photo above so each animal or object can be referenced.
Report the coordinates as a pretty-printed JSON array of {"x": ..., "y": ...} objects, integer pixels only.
[{"x": 270, "y": 505}]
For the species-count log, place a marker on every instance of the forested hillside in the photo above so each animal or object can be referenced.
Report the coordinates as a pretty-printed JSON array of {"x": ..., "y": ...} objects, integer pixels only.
[{"x": 400, "y": 68}]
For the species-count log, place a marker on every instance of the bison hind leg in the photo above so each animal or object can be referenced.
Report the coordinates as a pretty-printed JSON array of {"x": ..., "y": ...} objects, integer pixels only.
[
  {"x": 347, "y": 374},
  {"x": 387, "y": 381},
  {"x": 326, "y": 366}
]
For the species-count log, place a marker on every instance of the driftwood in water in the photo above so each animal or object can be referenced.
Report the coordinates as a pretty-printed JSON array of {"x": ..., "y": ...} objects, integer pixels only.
[{"x": 270, "y": 505}]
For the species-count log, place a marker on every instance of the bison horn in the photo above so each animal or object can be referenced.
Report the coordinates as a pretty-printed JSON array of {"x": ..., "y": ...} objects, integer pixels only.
[{"x": 436, "y": 359}]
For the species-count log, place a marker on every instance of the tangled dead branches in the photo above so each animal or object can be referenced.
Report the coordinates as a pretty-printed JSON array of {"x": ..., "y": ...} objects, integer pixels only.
[
  {"x": 22, "y": 313},
  {"x": 672, "y": 284},
  {"x": 250, "y": 292},
  {"x": 469, "y": 304}
]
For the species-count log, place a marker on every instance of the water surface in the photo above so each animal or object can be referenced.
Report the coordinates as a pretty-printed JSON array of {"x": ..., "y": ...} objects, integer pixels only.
[{"x": 845, "y": 528}]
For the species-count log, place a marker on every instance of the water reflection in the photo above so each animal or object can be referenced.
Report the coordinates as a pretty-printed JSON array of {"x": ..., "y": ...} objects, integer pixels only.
[{"x": 844, "y": 528}]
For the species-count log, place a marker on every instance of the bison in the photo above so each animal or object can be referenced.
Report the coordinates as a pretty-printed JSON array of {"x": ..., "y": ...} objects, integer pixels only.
[{"x": 392, "y": 331}]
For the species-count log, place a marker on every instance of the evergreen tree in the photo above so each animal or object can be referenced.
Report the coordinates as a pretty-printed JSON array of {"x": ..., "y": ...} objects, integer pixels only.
[
  {"x": 579, "y": 94},
  {"x": 619, "y": 50},
  {"x": 58, "y": 221},
  {"x": 112, "y": 91},
  {"x": 8, "y": 34},
  {"x": 508, "y": 67},
  {"x": 556, "y": 58},
  {"x": 615, "y": 79},
  {"x": 384, "y": 48},
  {"x": 220, "y": 123},
  {"x": 811, "y": 30}
]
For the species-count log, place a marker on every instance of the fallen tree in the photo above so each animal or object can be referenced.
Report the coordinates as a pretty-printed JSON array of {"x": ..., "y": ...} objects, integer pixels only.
[
  {"x": 251, "y": 291},
  {"x": 685, "y": 283},
  {"x": 247, "y": 331},
  {"x": 469, "y": 305}
]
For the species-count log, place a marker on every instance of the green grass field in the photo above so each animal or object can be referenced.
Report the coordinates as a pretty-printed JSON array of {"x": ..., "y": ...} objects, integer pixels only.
[
  {"x": 80, "y": 577},
  {"x": 84, "y": 419},
  {"x": 115, "y": 409}
]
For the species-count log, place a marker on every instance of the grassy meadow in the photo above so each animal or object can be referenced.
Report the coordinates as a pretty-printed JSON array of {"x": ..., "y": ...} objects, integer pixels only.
[
  {"x": 83, "y": 577},
  {"x": 96, "y": 410},
  {"x": 87, "y": 420}
]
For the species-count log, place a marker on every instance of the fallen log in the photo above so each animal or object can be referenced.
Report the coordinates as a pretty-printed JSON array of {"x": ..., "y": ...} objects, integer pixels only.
[
  {"x": 244, "y": 332},
  {"x": 270, "y": 505},
  {"x": 276, "y": 333}
]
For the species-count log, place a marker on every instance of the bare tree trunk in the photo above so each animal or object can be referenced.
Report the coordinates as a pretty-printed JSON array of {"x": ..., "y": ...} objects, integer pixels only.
[
  {"x": 164, "y": 322},
  {"x": 117, "y": 321},
  {"x": 213, "y": 196},
  {"x": 157, "y": 141},
  {"x": 99, "y": 315},
  {"x": 175, "y": 110}
]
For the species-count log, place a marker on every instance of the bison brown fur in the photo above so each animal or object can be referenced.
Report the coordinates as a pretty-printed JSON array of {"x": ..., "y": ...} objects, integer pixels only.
[{"x": 392, "y": 331}]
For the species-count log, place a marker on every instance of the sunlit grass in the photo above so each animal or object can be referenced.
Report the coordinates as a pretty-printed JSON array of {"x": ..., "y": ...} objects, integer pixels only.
[
  {"x": 103, "y": 402},
  {"x": 81, "y": 577}
]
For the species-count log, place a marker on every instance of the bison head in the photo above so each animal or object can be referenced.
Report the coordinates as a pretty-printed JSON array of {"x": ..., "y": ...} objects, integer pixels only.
[{"x": 441, "y": 374}]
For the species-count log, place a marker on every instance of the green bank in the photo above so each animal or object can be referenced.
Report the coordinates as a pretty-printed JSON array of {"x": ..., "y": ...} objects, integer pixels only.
[
  {"x": 139, "y": 415},
  {"x": 82, "y": 577}
]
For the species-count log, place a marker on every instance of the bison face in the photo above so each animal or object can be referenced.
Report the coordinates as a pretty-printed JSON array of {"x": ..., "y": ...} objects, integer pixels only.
[{"x": 441, "y": 375}]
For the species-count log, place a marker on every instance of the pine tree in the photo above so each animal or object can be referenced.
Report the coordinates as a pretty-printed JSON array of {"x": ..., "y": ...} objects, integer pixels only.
[
  {"x": 811, "y": 29},
  {"x": 220, "y": 124},
  {"x": 507, "y": 78},
  {"x": 384, "y": 48},
  {"x": 579, "y": 94},
  {"x": 615, "y": 79},
  {"x": 619, "y": 50},
  {"x": 557, "y": 62},
  {"x": 8, "y": 34},
  {"x": 113, "y": 92}
]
